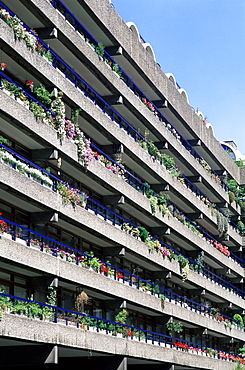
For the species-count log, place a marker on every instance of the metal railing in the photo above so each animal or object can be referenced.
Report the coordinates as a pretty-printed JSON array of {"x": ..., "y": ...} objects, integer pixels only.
[
  {"x": 57, "y": 62},
  {"x": 55, "y": 314},
  {"x": 188, "y": 183},
  {"x": 130, "y": 179},
  {"x": 72, "y": 255},
  {"x": 70, "y": 17}
]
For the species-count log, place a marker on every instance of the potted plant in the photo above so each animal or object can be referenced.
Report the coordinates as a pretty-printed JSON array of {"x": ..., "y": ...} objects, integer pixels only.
[
  {"x": 83, "y": 199},
  {"x": 43, "y": 95},
  {"x": 102, "y": 326},
  {"x": 95, "y": 263},
  {"x": 3, "y": 66},
  {"x": 119, "y": 330},
  {"x": 117, "y": 70},
  {"x": 29, "y": 85},
  {"x": 177, "y": 327},
  {"x": 238, "y": 318},
  {"x": 4, "y": 303},
  {"x": 100, "y": 50},
  {"x": 3, "y": 225}
]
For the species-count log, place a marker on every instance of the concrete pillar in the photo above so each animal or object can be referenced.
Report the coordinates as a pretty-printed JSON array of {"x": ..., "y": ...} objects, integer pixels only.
[{"x": 29, "y": 355}]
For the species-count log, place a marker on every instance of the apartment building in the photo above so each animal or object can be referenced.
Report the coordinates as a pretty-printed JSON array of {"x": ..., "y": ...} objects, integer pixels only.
[{"x": 121, "y": 214}]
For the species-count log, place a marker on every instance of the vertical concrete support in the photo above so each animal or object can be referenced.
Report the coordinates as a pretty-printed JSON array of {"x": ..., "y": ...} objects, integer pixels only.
[{"x": 29, "y": 355}]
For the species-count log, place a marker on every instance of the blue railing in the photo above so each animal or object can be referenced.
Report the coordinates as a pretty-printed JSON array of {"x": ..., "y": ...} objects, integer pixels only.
[
  {"x": 70, "y": 17},
  {"x": 106, "y": 108},
  {"x": 33, "y": 237},
  {"x": 31, "y": 97},
  {"x": 140, "y": 186},
  {"x": 98, "y": 208},
  {"x": 55, "y": 314},
  {"x": 189, "y": 185}
]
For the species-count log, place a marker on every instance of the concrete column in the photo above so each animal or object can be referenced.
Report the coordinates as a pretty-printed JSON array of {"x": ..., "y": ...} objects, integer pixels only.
[{"x": 29, "y": 355}]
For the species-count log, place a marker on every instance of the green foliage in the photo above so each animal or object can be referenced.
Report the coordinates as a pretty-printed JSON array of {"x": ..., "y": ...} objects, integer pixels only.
[
  {"x": 148, "y": 192},
  {"x": 111, "y": 327},
  {"x": 241, "y": 226},
  {"x": 100, "y": 49},
  {"x": 167, "y": 161},
  {"x": 43, "y": 95},
  {"x": 177, "y": 327},
  {"x": 4, "y": 303},
  {"x": 238, "y": 318},
  {"x": 47, "y": 54},
  {"x": 181, "y": 259},
  {"x": 122, "y": 316},
  {"x": 153, "y": 202},
  {"x": 117, "y": 69},
  {"x": 144, "y": 235},
  {"x": 102, "y": 325},
  {"x": 11, "y": 87},
  {"x": 75, "y": 114},
  {"x": 4, "y": 141},
  {"x": 37, "y": 110},
  {"x": 239, "y": 366},
  {"x": 240, "y": 163}
]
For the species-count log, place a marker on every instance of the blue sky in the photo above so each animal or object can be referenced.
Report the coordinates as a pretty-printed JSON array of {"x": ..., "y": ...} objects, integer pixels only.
[{"x": 202, "y": 42}]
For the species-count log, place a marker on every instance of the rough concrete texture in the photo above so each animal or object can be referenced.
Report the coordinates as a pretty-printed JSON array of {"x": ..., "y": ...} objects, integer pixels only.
[
  {"x": 11, "y": 178},
  {"x": 46, "y": 263},
  {"x": 152, "y": 72},
  {"x": 14, "y": 326},
  {"x": 139, "y": 154}
]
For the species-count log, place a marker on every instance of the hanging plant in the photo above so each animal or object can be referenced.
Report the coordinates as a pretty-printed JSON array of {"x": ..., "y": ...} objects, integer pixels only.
[
  {"x": 185, "y": 272},
  {"x": 81, "y": 300},
  {"x": 175, "y": 326},
  {"x": 153, "y": 202}
]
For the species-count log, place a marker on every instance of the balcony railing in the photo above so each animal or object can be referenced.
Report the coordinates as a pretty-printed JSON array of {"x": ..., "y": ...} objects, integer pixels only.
[
  {"x": 19, "y": 163},
  {"x": 188, "y": 184},
  {"x": 45, "y": 244},
  {"x": 106, "y": 108},
  {"x": 112, "y": 217},
  {"x": 70, "y": 17},
  {"x": 77, "y": 80},
  {"x": 45, "y": 312}
]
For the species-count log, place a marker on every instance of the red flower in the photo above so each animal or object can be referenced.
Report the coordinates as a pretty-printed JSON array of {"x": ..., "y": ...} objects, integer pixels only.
[
  {"x": 104, "y": 268},
  {"x": 28, "y": 82},
  {"x": 119, "y": 275}
]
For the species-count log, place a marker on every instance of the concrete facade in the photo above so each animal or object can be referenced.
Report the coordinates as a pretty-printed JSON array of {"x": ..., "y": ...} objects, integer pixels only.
[{"x": 187, "y": 277}]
